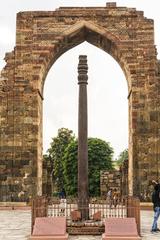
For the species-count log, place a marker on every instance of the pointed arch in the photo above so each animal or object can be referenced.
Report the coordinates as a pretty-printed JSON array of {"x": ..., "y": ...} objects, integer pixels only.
[{"x": 94, "y": 34}]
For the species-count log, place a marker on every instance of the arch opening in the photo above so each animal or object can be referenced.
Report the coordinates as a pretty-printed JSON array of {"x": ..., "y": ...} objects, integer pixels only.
[
  {"x": 104, "y": 41},
  {"x": 107, "y": 96}
]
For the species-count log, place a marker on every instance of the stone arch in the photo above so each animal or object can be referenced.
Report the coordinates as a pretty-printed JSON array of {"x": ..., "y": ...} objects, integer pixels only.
[
  {"x": 42, "y": 37},
  {"x": 95, "y": 35}
]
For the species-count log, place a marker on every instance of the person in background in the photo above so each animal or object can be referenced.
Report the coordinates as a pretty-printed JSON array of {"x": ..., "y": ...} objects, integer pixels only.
[
  {"x": 156, "y": 207},
  {"x": 62, "y": 194},
  {"x": 115, "y": 197},
  {"x": 63, "y": 201},
  {"x": 110, "y": 198},
  {"x": 154, "y": 183}
]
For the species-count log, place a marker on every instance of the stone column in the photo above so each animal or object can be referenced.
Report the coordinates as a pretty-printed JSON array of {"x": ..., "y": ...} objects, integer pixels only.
[{"x": 83, "y": 139}]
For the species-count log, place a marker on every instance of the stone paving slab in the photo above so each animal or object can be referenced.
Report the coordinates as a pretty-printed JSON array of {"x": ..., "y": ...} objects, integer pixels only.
[{"x": 16, "y": 225}]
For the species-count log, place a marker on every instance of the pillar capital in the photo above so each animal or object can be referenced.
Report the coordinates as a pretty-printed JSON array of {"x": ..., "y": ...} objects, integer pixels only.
[{"x": 82, "y": 70}]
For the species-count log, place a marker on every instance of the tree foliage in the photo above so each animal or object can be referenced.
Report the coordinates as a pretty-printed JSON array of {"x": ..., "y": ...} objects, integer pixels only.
[
  {"x": 63, "y": 154},
  {"x": 70, "y": 166},
  {"x": 56, "y": 152},
  {"x": 99, "y": 158},
  {"x": 122, "y": 157}
]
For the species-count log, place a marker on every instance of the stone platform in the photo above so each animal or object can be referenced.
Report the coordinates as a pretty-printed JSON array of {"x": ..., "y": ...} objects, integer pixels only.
[
  {"x": 86, "y": 230},
  {"x": 88, "y": 227}
]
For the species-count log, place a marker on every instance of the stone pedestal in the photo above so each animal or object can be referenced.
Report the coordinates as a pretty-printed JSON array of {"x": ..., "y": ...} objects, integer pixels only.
[
  {"x": 53, "y": 228},
  {"x": 97, "y": 216},
  {"x": 120, "y": 229},
  {"x": 76, "y": 215}
]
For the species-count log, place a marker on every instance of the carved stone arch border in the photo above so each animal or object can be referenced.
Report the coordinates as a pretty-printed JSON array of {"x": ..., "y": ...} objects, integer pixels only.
[
  {"x": 41, "y": 38},
  {"x": 105, "y": 40}
]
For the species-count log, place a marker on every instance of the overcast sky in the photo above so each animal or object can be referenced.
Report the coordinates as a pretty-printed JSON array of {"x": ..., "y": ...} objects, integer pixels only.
[{"x": 107, "y": 86}]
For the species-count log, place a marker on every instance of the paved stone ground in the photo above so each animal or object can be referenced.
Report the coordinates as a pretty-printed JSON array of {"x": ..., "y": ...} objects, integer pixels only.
[{"x": 15, "y": 225}]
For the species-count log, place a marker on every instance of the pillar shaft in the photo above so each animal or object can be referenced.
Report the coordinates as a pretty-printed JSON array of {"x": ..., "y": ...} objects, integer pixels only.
[{"x": 83, "y": 138}]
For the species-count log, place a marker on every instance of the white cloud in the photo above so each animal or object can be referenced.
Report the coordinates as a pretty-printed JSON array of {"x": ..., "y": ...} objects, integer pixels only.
[
  {"x": 7, "y": 36},
  {"x": 7, "y": 41}
]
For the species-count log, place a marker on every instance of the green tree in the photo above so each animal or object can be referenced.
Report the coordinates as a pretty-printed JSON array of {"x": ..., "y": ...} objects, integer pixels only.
[
  {"x": 70, "y": 166},
  {"x": 56, "y": 152},
  {"x": 99, "y": 158},
  {"x": 122, "y": 157}
]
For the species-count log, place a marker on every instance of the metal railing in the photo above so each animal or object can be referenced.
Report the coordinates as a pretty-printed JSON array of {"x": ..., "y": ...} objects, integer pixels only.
[{"x": 120, "y": 208}]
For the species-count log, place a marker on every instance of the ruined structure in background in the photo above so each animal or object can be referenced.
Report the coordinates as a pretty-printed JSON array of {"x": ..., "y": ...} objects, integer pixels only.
[
  {"x": 41, "y": 38},
  {"x": 124, "y": 178},
  {"x": 115, "y": 179},
  {"x": 110, "y": 179}
]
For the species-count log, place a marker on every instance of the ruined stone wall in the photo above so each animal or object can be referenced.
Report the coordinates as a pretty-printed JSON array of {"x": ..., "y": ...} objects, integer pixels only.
[
  {"x": 41, "y": 38},
  {"x": 110, "y": 180},
  {"x": 124, "y": 177},
  {"x": 47, "y": 178},
  {"x": 115, "y": 179}
]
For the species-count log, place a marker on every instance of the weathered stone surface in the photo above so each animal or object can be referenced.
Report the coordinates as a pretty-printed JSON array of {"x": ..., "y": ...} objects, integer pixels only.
[{"x": 41, "y": 38}]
